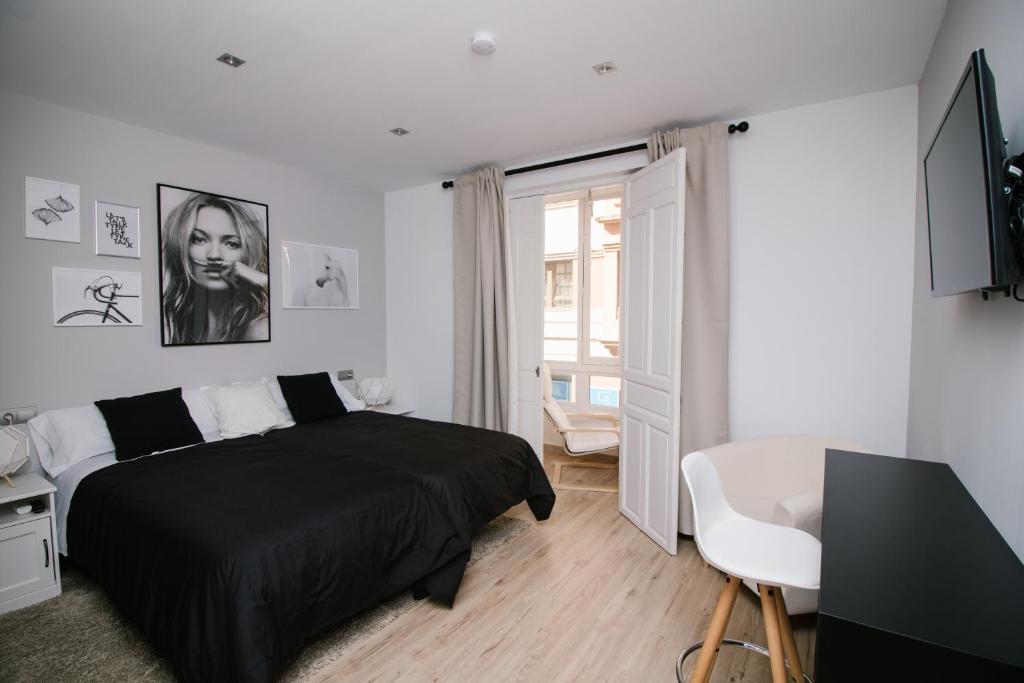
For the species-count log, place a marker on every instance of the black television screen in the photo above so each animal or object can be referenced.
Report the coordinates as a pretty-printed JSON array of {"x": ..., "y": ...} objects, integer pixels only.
[{"x": 968, "y": 229}]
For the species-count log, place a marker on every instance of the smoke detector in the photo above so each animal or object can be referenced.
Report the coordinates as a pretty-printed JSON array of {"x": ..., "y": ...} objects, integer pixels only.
[{"x": 483, "y": 43}]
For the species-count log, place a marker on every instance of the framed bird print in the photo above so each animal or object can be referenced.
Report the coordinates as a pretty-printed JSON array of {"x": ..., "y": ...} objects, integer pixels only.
[{"x": 51, "y": 210}]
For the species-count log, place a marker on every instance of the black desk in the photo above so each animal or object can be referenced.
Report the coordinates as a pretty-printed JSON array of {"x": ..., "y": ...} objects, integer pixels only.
[{"x": 916, "y": 583}]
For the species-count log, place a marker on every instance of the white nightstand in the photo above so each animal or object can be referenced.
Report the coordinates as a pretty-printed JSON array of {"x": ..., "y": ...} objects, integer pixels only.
[
  {"x": 393, "y": 409},
  {"x": 28, "y": 555}
]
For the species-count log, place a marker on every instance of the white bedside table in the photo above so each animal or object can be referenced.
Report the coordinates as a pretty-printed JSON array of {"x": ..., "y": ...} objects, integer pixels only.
[
  {"x": 28, "y": 554},
  {"x": 393, "y": 409}
]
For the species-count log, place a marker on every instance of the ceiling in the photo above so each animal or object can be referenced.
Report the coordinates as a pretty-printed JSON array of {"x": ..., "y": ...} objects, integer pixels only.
[{"x": 325, "y": 80}]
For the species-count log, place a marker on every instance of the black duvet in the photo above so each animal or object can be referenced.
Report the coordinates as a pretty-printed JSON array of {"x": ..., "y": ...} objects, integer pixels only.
[{"x": 231, "y": 555}]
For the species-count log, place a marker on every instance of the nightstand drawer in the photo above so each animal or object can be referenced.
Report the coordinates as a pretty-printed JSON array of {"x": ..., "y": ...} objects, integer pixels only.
[{"x": 27, "y": 559}]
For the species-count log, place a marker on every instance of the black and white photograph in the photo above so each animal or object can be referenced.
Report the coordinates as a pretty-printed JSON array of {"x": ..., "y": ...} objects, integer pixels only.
[
  {"x": 51, "y": 210},
  {"x": 214, "y": 268},
  {"x": 93, "y": 298},
  {"x": 117, "y": 230},
  {"x": 319, "y": 276}
]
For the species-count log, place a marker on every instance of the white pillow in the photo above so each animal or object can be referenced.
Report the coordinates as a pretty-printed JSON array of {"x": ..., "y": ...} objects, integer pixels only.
[
  {"x": 245, "y": 408},
  {"x": 202, "y": 414},
  {"x": 68, "y": 436},
  {"x": 275, "y": 391}
]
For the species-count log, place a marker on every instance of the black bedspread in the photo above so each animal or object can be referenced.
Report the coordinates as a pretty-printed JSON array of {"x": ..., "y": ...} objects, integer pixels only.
[{"x": 230, "y": 556}]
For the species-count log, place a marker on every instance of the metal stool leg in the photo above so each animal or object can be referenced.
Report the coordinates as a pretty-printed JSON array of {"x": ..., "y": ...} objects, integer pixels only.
[{"x": 750, "y": 647}]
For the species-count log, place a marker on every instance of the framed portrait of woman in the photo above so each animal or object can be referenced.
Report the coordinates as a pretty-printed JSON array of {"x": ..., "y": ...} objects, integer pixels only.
[{"x": 214, "y": 268}]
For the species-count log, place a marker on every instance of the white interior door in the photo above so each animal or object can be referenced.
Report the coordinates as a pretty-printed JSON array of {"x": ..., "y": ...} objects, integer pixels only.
[
  {"x": 652, "y": 318},
  {"x": 526, "y": 228}
]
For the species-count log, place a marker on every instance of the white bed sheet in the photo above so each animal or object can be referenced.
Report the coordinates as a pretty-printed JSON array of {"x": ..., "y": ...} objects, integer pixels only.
[{"x": 66, "y": 483}]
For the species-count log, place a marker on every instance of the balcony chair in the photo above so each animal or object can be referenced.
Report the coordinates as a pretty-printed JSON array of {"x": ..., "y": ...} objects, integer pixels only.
[{"x": 582, "y": 434}]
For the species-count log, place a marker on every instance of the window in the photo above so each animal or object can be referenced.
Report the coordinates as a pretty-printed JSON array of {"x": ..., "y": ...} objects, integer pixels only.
[
  {"x": 560, "y": 284},
  {"x": 582, "y": 292}
]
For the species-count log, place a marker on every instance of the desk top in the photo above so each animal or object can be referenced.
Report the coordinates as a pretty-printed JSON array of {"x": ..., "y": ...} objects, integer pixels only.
[{"x": 906, "y": 550}]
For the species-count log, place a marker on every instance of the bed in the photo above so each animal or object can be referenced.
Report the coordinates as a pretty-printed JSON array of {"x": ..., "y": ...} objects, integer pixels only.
[{"x": 232, "y": 555}]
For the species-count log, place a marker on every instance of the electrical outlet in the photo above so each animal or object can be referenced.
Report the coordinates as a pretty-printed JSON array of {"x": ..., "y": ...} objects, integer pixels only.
[
  {"x": 9, "y": 416},
  {"x": 345, "y": 374}
]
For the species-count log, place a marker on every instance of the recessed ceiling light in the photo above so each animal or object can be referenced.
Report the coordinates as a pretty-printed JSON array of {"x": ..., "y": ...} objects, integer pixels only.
[
  {"x": 399, "y": 131},
  {"x": 605, "y": 68},
  {"x": 231, "y": 60}
]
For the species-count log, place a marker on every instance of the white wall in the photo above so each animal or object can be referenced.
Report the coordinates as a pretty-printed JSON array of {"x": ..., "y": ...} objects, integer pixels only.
[
  {"x": 112, "y": 161},
  {"x": 420, "y": 323},
  {"x": 967, "y": 367},
  {"x": 822, "y": 253},
  {"x": 822, "y": 235}
]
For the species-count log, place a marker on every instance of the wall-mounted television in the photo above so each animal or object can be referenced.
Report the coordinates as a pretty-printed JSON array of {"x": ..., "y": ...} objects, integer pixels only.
[{"x": 968, "y": 222}]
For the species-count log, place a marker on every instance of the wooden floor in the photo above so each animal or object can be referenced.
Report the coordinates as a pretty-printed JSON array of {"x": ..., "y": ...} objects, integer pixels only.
[{"x": 583, "y": 596}]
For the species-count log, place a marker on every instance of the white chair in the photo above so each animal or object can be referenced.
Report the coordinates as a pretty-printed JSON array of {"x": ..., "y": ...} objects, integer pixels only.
[
  {"x": 745, "y": 549},
  {"x": 582, "y": 434},
  {"x": 779, "y": 480}
]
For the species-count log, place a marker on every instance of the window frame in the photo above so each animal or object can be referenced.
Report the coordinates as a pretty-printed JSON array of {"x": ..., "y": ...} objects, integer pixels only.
[{"x": 585, "y": 365}]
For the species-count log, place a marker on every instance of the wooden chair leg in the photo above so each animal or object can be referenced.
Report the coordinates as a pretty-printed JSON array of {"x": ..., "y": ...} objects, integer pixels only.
[
  {"x": 788, "y": 641},
  {"x": 716, "y": 630},
  {"x": 558, "y": 474},
  {"x": 771, "y": 627}
]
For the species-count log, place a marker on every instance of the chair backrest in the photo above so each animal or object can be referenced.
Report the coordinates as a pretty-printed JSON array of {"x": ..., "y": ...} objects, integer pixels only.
[
  {"x": 709, "y": 503},
  {"x": 551, "y": 406}
]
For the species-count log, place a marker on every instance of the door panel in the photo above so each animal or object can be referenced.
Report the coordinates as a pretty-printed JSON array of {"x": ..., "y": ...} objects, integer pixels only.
[
  {"x": 526, "y": 228},
  {"x": 634, "y": 298},
  {"x": 631, "y": 470},
  {"x": 662, "y": 266},
  {"x": 26, "y": 559},
  {"x": 652, "y": 317}
]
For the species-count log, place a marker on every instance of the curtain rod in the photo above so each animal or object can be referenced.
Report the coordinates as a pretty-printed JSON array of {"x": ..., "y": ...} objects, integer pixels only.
[{"x": 741, "y": 127}]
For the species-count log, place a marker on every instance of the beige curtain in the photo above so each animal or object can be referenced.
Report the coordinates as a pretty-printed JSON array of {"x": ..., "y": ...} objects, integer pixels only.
[
  {"x": 482, "y": 336},
  {"x": 705, "y": 390}
]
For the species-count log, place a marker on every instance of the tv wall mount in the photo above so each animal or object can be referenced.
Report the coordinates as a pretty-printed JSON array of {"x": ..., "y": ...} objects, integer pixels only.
[{"x": 1013, "y": 190}]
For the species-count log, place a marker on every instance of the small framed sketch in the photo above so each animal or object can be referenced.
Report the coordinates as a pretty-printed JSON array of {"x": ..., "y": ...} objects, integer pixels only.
[
  {"x": 317, "y": 276},
  {"x": 83, "y": 298},
  {"x": 117, "y": 230},
  {"x": 51, "y": 210}
]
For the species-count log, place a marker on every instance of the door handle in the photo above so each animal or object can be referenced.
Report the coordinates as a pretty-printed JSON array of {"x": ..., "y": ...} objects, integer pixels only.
[
  {"x": 46, "y": 549},
  {"x": 537, "y": 370}
]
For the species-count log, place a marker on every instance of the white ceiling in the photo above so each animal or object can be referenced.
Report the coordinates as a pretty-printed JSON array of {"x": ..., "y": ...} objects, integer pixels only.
[{"x": 325, "y": 80}]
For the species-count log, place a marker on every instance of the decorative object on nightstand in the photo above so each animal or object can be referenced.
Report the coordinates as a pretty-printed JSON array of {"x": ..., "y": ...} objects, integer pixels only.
[
  {"x": 29, "y": 572},
  {"x": 13, "y": 452},
  {"x": 376, "y": 391}
]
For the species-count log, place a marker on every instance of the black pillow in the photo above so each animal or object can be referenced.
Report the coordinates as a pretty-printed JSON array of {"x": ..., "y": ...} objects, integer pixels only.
[
  {"x": 311, "y": 397},
  {"x": 140, "y": 425}
]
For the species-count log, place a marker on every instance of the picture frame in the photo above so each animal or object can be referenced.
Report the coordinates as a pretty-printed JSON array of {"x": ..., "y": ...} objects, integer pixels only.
[
  {"x": 96, "y": 298},
  {"x": 117, "y": 230},
  {"x": 318, "y": 276},
  {"x": 52, "y": 210},
  {"x": 214, "y": 253}
]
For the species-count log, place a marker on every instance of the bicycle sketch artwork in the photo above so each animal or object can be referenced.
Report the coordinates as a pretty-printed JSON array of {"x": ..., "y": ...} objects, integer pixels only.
[{"x": 92, "y": 298}]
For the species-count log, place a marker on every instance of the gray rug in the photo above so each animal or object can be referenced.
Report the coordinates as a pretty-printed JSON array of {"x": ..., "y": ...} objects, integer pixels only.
[{"x": 80, "y": 636}]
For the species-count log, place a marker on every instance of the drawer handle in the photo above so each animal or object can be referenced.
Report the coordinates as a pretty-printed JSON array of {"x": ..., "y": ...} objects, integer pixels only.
[{"x": 46, "y": 549}]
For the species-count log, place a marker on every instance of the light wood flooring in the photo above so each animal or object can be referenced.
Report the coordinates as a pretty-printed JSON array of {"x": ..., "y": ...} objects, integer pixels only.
[{"x": 583, "y": 596}]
